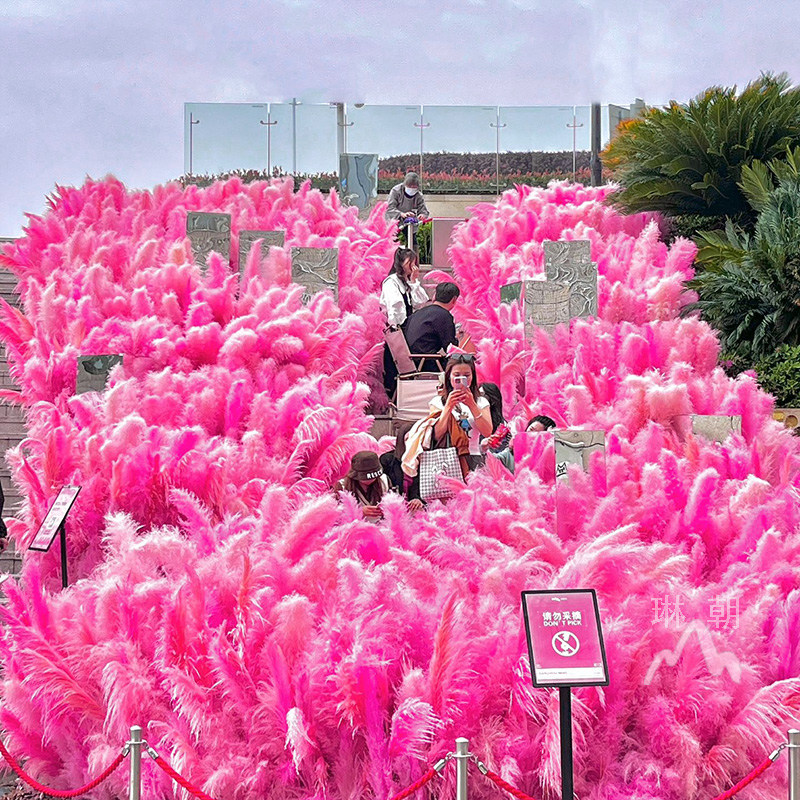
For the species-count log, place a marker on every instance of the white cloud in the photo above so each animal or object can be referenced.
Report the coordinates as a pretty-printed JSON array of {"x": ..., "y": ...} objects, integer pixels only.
[{"x": 95, "y": 86}]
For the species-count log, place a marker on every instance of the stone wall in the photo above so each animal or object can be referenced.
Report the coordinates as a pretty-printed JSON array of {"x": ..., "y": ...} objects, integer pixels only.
[
  {"x": 450, "y": 205},
  {"x": 12, "y": 428}
]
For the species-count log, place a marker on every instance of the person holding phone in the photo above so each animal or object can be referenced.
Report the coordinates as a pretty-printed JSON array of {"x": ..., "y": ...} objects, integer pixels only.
[
  {"x": 366, "y": 482},
  {"x": 465, "y": 416}
]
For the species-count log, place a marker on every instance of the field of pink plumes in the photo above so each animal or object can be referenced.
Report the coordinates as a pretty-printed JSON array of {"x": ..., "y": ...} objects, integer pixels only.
[{"x": 270, "y": 641}]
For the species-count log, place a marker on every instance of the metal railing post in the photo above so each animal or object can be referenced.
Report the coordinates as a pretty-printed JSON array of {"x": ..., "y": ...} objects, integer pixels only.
[
  {"x": 794, "y": 764},
  {"x": 462, "y": 768},
  {"x": 136, "y": 763}
]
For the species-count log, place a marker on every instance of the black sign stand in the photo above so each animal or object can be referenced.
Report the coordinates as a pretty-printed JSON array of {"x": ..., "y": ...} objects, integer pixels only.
[
  {"x": 62, "y": 538},
  {"x": 565, "y": 720},
  {"x": 564, "y": 683},
  {"x": 54, "y": 524}
]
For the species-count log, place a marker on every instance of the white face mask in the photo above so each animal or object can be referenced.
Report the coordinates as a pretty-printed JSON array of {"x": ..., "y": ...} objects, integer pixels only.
[{"x": 411, "y": 192}]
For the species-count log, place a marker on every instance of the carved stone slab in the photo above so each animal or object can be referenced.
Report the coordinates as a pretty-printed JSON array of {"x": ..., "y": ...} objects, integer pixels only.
[
  {"x": 316, "y": 268},
  {"x": 442, "y": 235},
  {"x": 208, "y": 232},
  {"x": 570, "y": 264},
  {"x": 93, "y": 372},
  {"x": 546, "y": 305},
  {"x": 715, "y": 427},
  {"x": 576, "y": 447},
  {"x": 358, "y": 178},
  {"x": 248, "y": 238}
]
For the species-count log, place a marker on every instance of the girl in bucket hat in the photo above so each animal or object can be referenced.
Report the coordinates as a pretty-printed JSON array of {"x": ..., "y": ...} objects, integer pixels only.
[{"x": 366, "y": 482}]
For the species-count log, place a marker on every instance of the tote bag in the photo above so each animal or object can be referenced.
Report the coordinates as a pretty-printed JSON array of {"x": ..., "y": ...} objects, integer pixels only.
[
  {"x": 434, "y": 465},
  {"x": 398, "y": 347}
]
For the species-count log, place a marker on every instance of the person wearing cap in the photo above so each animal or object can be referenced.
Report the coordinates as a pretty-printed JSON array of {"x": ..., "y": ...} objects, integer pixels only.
[
  {"x": 406, "y": 200},
  {"x": 366, "y": 482}
]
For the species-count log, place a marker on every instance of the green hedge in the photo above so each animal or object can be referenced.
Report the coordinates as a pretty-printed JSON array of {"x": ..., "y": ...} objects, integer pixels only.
[
  {"x": 779, "y": 374},
  {"x": 526, "y": 162},
  {"x": 449, "y": 182}
]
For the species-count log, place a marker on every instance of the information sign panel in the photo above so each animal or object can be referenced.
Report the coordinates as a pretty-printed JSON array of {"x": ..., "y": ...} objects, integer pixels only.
[
  {"x": 565, "y": 640},
  {"x": 54, "y": 518}
]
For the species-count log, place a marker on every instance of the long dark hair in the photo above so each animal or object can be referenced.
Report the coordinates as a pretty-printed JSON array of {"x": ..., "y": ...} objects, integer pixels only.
[
  {"x": 473, "y": 385},
  {"x": 491, "y": 391},
  {"x": 401, "y": 255}
]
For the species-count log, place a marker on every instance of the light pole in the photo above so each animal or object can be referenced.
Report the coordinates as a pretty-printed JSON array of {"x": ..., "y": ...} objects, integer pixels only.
[
  {"x": 421, "y": 125},
  {"x": 596, "y": 164},
  {"x": 496, "y": 125},
  {"x": 574, "y": 127},
  {"x": 269, "y": 123},
  {"x": 295, "y": 103},
  {"x": 192, "y": 123},
  {"x": 343, "y": 124}
]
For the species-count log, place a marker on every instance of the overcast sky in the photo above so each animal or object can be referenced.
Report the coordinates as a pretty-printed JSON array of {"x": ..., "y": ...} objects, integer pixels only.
[{"x": 90, "y": 87}]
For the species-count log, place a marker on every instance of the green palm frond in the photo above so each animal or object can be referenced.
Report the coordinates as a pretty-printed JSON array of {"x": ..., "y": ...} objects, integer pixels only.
[
  {"x": 756, "y": 184},
  {"x": 689, "y": 158},
  {"x": 749, "y": 286}
]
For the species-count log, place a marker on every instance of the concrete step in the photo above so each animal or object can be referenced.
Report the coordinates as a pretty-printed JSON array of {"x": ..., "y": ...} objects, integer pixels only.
[{"x": 382, "y": 426}]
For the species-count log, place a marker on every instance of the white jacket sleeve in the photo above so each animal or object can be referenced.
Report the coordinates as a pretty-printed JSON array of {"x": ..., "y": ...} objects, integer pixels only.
[
  {"x": 391, "y": 301},
  {"x": 419, "y": 297}
]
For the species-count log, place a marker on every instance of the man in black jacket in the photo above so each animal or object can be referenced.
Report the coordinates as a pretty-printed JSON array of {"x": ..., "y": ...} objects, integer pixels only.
[{"x": 432, "y": 330}]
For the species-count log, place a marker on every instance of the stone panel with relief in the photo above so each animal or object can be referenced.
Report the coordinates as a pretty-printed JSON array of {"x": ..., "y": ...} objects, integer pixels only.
[
  {"x": 317, "y": 269},
  {"x": 577, "y": 447},
  {"x": 716, "y": 427},
  {"x": 207, "y": 233},
  {"x": 570, "y": 264},
  {"x": 268, "y": 239}
]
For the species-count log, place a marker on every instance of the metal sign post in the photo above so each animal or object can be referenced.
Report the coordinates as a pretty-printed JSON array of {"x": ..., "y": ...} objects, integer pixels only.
[
  {"x": 565, "y": 731},
  {"x": 794, "y": 764},
  {"x": 565, "y": 647},
  {"x": 54, "y": 524},
  {"x": 62, "y": 540}
]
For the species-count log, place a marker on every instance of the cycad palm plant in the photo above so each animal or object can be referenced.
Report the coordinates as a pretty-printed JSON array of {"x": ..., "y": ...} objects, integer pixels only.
[
  {"x": 749, "y": 287},
  {"x": 688, "y": 158}
]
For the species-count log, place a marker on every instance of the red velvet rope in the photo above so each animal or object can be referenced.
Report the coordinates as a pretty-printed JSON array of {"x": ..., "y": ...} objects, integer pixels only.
[
  {"x": 493, "y": 776},
  {"x": 762, "y": 767},
  {"x": 180, "y": 779},
  {"x": 426, "y": 778},
  {"x": 12, "y": 762}
]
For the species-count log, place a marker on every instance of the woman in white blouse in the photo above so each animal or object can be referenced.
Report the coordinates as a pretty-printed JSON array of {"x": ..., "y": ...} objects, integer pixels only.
[
  {"x": 401, "y": 295},
  {"x": 401, "y": 291}
]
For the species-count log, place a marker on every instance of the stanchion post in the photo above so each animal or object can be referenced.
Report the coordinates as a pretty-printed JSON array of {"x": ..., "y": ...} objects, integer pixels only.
[
  {"x": 462, "y": 768},
  {"x": 794, "y": 764},
  {"x": 136, "y": 763}
]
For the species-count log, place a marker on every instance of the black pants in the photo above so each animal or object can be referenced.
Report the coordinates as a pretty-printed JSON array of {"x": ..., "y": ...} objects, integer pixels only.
[{"x": 389, "y": 372}]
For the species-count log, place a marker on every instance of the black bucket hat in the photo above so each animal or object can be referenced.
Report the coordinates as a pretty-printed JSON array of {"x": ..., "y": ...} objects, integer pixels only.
[{"x": 365, "y": 466}]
